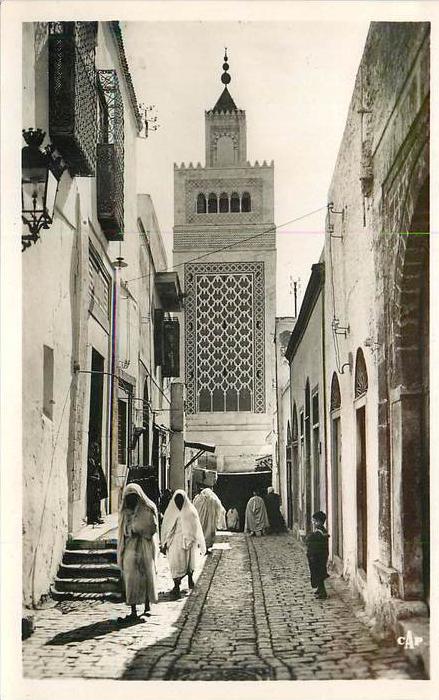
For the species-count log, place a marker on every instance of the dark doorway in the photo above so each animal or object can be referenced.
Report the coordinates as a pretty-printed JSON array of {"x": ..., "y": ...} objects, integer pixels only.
[
  {"x": 234, "y": 490},
  {"x": 289, "y": 488},
  {"x": 96, "y": 397},
  {"x": 308, "y": 474},
  {"x": 337, "y": 511},
  {"x": 94, "y": 432},
  {"x": 361, "y": 489}
]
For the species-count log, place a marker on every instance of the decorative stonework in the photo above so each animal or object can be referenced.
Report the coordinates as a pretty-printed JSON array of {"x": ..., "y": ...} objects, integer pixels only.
[
  {"x": 214, "y": 240},
  {"x": 218, "y": 185},
  {"x": 224, "y": 328}
]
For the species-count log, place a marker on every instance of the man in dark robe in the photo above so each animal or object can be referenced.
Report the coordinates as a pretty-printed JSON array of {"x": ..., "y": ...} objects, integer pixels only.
[
  {"x": 275, "y": 518},
  {"x": 317, "y": 551},
  {"x": 96, "y": 484}
]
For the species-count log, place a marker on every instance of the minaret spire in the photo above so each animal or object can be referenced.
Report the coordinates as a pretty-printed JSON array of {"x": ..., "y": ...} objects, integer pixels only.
[
  {"x": 225, "y": 102},
  {"x": 225, "y": 78}
]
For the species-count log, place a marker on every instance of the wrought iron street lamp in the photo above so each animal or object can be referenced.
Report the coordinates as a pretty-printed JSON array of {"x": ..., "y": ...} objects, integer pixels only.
[{"x": 40, "y": 176}]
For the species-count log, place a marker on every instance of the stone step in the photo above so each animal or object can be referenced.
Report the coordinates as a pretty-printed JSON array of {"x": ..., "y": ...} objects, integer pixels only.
[
  {"x": 89, "y": 556},
  {"x": 88, "y": 570},
  {"x": 74, "y": 595},
  {"x": 91, "y": 544},
  {"x": 109, "y": 584}
]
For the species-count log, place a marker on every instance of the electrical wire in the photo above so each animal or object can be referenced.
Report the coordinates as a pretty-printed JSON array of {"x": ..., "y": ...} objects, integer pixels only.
[{"x": 232, "y": 245}]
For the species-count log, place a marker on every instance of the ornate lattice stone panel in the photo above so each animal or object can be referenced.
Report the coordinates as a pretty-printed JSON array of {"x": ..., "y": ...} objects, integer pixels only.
[
  {"x": 218, "y": 239},
  {"x": 224, "y": 329},
  {"x": 253, "y": 185}
]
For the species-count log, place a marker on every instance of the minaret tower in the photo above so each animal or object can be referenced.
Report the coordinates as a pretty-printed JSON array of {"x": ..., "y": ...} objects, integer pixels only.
[{"x": 223, "y": 211}]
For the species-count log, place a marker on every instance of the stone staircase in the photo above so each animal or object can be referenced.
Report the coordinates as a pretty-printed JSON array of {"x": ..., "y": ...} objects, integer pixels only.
[{"x": 88, "y": 571}]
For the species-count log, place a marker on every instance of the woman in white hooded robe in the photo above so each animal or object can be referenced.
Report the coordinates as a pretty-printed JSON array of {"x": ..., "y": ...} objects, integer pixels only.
[
  {"x": 182, "y": 540},
  {"x": 137, "y": 549},
  {"x": 212, "y": 514}
]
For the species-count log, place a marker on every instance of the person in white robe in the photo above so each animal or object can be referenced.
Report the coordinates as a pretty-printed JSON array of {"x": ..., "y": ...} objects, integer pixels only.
[
  {"x": 137, "y": 549},
  {"x": 232, "y": 518},
  {"x": 182, "y": 540},
  {"x": 212, "y": 514},
  {"x": 256, "y": 518}
]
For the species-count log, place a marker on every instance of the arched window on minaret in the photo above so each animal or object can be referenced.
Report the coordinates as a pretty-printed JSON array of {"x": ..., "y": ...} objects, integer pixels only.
[
  {"x": 246, "y": 204},
  {"x": 224, "y": 202},
  {"x": 212, "y": 203},
  {"x": 201, "y": 204},
  {"x": 225, "y": 151},
  {"x": 234, "y": 202}
]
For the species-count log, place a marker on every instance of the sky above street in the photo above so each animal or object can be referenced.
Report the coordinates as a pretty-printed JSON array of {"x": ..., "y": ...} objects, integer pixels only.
[{"x": 294, "y": 80}]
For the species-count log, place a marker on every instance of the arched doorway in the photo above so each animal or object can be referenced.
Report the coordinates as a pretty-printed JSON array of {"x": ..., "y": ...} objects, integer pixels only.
[
  {"x": 288, "y": 464},
  {"x": 336, "y": 475},
  {"x": 308, "y": 471},
  {"x": 360, "y": 392},
  {"x": 409, "y": 400},
  {"x": 295, "y": 468}
]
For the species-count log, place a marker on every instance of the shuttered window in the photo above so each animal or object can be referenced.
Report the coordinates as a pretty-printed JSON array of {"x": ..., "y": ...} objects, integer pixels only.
[
  {"x": 98, "y": 289},
  {"x": 122, "y": 432}
]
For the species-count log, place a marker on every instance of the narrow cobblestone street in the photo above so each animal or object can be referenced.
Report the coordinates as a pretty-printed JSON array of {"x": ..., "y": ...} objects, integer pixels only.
[{"x": 251, "y": 616}]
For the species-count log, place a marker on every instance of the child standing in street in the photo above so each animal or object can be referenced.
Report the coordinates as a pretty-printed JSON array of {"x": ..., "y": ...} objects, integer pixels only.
[{"x": 317, "y": 551}]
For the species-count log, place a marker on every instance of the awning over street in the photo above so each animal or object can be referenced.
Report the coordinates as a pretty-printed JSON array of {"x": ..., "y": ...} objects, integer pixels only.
[
  {"x": 205, "y": 446},
  {"x": 202, "y": 447},
  {"x": 168, "y": 288}
]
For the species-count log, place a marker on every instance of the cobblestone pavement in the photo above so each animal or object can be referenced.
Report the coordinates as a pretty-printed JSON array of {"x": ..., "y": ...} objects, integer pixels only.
[{"x": 251, "y": 616}]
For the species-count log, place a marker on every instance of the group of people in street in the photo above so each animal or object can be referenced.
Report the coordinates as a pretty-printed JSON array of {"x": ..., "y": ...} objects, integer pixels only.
[
  {"x": 187, "y": 533},
  {"x": 263, "y": 515}
]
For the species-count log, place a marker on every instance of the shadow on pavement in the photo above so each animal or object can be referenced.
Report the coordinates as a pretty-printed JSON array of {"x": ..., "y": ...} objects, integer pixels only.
[{"x": 97, "y": 629}]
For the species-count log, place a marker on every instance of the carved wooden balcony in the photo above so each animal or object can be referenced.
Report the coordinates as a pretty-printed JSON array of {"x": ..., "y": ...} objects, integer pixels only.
[{"x": 72, "y": 90}]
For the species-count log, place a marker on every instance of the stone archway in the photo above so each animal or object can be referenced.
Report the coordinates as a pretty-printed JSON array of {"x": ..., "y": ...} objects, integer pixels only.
[{"x": 409, "y": 399}]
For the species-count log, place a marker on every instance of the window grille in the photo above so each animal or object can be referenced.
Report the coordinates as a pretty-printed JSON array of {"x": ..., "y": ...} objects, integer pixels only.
[
  {"x": 235, "y": 204},
  {"x": 159, "y": 315},
  {"x": 110, "y": 154},
  {"x": 171, "y": 348},
  {"x": 224, "y": 202},
  {"x": 224, "y": 322},
  {"x": 246, "y": 204},
  {"x": 212, "y": 205},
  {"x": 201, "y": 204},
  {"x": 315, "y": 409},
  {"x": 295, "y": 431},
  {"x": 335, "y": 393},
  {"x": 72, "y": 94},
  {"x": 122, "y": 431},
  {"x": 361, "y": 382}
]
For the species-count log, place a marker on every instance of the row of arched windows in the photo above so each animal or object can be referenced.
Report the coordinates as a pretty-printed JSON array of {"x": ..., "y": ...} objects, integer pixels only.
[
  {"x": 303, "y": 461},
  {"x": 212, "y": 204}
]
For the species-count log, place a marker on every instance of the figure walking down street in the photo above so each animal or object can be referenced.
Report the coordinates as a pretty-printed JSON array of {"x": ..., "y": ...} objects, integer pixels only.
[
  {"x": 256, "y": 518},
  {"x": 96, "y": 484},
  {"x": 232, "y": 519},
  {"x": 212, "y": 514},
  {"x": 137, "y": 549},
  {"x": 275, "y": 517},
  {"x": 317, "y": 550},
  {"x": 182, "y": 540}
]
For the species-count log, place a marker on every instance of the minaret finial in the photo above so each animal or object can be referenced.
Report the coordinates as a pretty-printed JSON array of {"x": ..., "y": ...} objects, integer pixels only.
[{"x": 225, "y": 78}]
